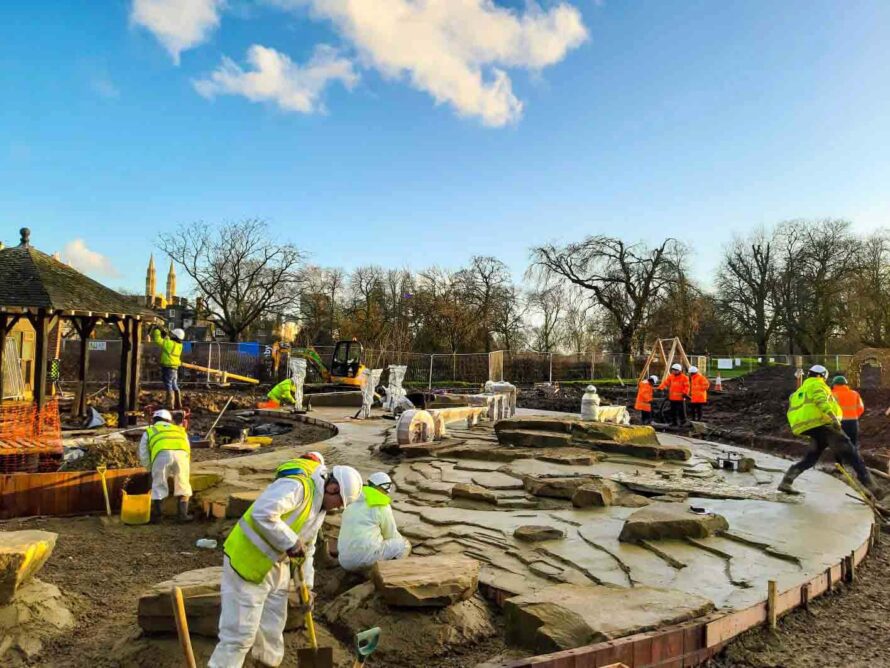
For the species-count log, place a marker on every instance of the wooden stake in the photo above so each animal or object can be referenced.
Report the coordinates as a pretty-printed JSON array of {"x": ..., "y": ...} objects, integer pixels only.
[
  {"x": 771, "y": 604},
  {"x": 182, "y": 627}
]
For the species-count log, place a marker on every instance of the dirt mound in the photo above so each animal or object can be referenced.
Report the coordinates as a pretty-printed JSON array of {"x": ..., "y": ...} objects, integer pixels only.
[{"x": 113, "y": 453}]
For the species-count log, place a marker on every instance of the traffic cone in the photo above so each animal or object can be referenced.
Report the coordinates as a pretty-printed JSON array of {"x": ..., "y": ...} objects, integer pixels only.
[{"x": 718, "y": 384}]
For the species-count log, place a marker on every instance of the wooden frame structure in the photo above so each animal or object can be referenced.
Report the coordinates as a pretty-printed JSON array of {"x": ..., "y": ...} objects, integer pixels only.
[
  {"x": 676, "y": 352},
  {"x": 46, "y": 292}
]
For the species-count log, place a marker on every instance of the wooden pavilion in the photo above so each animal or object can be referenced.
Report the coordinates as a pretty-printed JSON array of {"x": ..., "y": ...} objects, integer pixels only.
[{"x": 43, "y": 291}]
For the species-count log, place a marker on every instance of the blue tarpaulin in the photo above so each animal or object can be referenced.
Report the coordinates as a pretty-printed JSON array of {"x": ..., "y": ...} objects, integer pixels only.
[{"x": 248, "y": 348}]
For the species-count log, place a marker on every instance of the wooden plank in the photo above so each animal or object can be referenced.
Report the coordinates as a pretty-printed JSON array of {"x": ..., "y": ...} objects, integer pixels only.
[
  {"x": 642, "y": 650},
  {"x": 135, "y": 362},
  {"x": 729, "y": 626},
  {"x": 3, "y": 319},
  {"x": 615, "y": 652},
  {"x": 667, "y": 649}
]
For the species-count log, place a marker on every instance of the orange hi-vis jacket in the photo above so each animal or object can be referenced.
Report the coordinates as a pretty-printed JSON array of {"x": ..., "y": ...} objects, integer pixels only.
[
  {"x": 849, "y": 400},
  {"x": 677, "y": 386},
  {"x": 700, "y": 385},
  {"x": 645, "y": 390}
]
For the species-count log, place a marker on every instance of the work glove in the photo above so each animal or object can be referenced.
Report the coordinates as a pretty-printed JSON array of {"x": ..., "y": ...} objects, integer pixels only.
[{"x": 297, "y": 550}]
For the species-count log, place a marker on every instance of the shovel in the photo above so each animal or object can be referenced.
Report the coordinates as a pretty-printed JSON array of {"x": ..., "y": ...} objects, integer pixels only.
[
  {"x": 315, "y": 656},
  {"x": 101, "y": 470},
  {"x": 365, "y": 644}
]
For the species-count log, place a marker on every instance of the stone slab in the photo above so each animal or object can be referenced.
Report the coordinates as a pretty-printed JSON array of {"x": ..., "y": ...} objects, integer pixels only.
[
  {"x": 420, "y": 582},
  {"x": 22, "y": 555},
  {"x": 532, "y": 533},
  {"x": 497, "y": 480},
  {"x": 467, "y": 490},
  {"x": 664, "y": 521},
  {"x": 238, "y": 503},
  {"x": 594, "y": 493}
]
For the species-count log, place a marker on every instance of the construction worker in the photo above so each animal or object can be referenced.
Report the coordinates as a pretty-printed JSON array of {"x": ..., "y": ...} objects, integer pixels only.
[
  {"x": 813, "y": 411},
  {"x": 851, "y": 405},
  {"x": 698, "y": 393},
  {"x": 283, "y": 393},
  {"x": 368, "y": 532},
  {"x": 281, "y": 525},
  {"x": 171, "y": 354},
  {"x": 677, "y": 385},
  {"x": 645, "y": 391},
  {"x": 165, "y": 451}
]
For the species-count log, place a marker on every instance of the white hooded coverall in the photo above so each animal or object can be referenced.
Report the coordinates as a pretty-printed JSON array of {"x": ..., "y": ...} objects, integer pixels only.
[
  {"x": 167, "y": 463},
  {"x": 254, "y": 615},
  {"x": 368, "y": 534}
]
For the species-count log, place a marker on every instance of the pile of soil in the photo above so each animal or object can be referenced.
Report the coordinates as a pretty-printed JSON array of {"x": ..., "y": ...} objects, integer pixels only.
[{"x": 113, "y": 453}]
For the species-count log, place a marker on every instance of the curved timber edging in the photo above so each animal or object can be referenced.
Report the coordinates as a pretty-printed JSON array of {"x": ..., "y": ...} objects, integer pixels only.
[
  {"x": 298, "y": 417},
  {"x": 693, "y": 643}
]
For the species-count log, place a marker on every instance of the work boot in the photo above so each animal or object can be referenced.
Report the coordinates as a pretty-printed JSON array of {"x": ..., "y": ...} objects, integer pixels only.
[
  {"x": 184, "y": 510},
  {"x": 786, "y": 485},
  {"x": 170, "y": 401},
  {"x": 177, "y": 395},
  {"x": 155, "y": 511}
]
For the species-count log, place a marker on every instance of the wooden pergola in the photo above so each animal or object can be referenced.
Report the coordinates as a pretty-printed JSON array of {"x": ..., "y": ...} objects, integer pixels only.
[{"x": 45, "y": 291}]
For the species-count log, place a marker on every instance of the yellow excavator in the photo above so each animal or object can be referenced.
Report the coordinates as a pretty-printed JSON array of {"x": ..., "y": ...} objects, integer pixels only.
[{"x": 346, "y": 363}]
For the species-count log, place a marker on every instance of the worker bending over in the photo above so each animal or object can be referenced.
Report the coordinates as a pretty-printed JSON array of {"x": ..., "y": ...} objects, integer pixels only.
[
  {"x": 677, "y": 385},
  {"x": 698, "y": 393},
  {"x": 165, "y": 451},
  {"x": 851, "y": 405},
  {"x": 282, "y": 524},
  {"x": 813, "y": 411},
  {"x": 282, "y": 394},
  {"x": 171, "y": 359},
  {"x": 645, "y": 391},
  {"x": 368, "y": 532}
]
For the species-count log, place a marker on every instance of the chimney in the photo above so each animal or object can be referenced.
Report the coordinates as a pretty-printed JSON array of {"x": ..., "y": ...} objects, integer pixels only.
[{"x": 26, "y": 238}]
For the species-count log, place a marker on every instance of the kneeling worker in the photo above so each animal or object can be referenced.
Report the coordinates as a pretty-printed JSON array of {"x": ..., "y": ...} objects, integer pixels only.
[
  {"x": 645, "y": 391},
  {"x": 698, "y": 393},
  {"x": 282, "y": 524},
  {"x": 165, "y": 451},
  {"x": 282, "y": 394},
  {"x": 368, "y": 532},
  {"x": 813, "y": 411},
  {"x": 851, "y": 406}
]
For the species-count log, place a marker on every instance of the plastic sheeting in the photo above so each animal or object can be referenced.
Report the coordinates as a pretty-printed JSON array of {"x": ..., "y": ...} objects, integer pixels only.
[
  {"x": 297, "y": 367},
  {"x": 370, "y": 378},
  {"x": 397, "y": 401}
]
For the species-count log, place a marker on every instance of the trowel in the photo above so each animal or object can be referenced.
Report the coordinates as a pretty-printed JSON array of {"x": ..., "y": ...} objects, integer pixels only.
[{"x": 314, "y": 656}]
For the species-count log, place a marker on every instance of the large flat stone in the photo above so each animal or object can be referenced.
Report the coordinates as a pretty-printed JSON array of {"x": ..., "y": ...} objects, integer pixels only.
[
  {"x": 532, "y": 533},
  {"x": 555, "y": 488},
  {"x": 593, "y": 493},
  {"x": 467, "y": 490},
  {"x": 238, "y": 503},
  {"x": 426, "y": 581},
  {"x": 569, "y": 615},
  {"x": 662, "y": 521},
  {"x": 22, "y": 555},
  {"x": 200, "y": 590},
  {"x": 497, "y": 480}
]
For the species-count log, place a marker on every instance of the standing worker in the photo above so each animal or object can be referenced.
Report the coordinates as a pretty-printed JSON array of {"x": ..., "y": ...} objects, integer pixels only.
[
  {"x": 165, "y": 451},
  {"x": 677, "y": 385},
  {"x": 171, "y": 359},
  {"x": 645, "y": 391},
  {"x": 368, "y": 531},
  {"x": 698, "y": 394},
  {"x": 851, "y": 405},
  {"x": 813, "y": 411},
  {"x": 282, "y": 524},
  {"x": 284, "y": 393}
]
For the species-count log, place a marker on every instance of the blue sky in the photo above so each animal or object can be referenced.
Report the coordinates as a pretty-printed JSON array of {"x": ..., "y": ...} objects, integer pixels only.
[{"x": 641, "y": 119}]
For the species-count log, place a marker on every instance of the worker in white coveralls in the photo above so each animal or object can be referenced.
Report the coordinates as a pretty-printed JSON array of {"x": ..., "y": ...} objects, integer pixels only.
[
  {"x": 368, "y": 531},
  {"x": 166, "y": 452},
  {"x": 282, "y": 524}
]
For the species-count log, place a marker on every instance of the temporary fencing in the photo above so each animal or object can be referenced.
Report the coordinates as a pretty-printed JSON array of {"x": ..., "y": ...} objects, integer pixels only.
[{"x": 30, "y": 438}]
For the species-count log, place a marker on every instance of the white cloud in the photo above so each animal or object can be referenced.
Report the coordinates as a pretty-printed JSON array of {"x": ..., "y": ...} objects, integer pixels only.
[
  {"x": 79, "y": 256},
  {"x": 178, "y": 24},
  {"x": 273, "y": 77},
  {"x": 455, "y": 50}
]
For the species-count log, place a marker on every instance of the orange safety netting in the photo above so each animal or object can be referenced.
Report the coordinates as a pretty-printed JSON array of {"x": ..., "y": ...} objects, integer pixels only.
[{"x": 30, "y": 439}]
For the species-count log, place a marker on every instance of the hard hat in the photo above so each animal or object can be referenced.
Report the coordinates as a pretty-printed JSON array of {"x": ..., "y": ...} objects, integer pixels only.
[
  {"x": 179, "y": 334},
  {"x": 693, "y": 369},
  {"x": 590, "y": 388},
  {"x": 838, "y": 380},
  {"x": 162, "y": 414},
  {"x": 676, "y": 367},
  {"x": 381, "y": 480},
  {"x": 350, "y": 482},
  {"x": 819, "y": 370},
  {"x": 653, "y": 379}
]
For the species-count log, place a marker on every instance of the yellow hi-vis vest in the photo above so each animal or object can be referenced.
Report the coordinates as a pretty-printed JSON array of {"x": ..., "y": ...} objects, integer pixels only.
[
  {"x": 295, "y": 467},
  {"x": 249, "y": 553},
  {"x": 374, "y": 497},
  {"x": 813, "y": 405},
  {"x": 171, "y": 351},
  {"x": 166, "y": 436},
  {"x": 283, "y": 392}
]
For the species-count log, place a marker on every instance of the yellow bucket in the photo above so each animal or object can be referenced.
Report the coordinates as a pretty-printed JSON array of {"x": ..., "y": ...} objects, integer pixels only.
[{"x": 135, "y": 508}]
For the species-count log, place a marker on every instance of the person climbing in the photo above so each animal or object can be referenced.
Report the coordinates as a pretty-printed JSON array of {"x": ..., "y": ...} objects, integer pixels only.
[
  {"x": 171, "y": 354},
  {"x": 165, "y": 451},
  {"x": 813, "y": 411},
  {"x": 677, "y": 385},
  {"x": 368, "y": 531},
  {"x": 283, "y": 393},
  {"x": 851, "y": 405},
  {"x": 645, "y": 391},
  {"x": 698, "y": 395},
  {"x": 281, "y": 525}
]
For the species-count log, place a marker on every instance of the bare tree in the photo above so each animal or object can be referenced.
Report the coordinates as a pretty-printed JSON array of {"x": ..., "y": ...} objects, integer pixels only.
[
  {"x": 487, "y": 283},
  {"x": 508, "y": 323},
  {"x": 579, "y": 323},
  {"x": 869, "y": 293},
  {"x": 548, "y": 305},
  {"x": 242, "y": 275},
  {"x": 626, "y": 280}
]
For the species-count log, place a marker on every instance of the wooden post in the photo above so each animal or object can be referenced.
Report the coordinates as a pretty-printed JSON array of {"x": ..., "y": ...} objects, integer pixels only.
[
  {"x": 85, "y": 330},
  {"x": 2, "y": 350},
  {"x": 771, "y": 604},
  {"x": 124, "y": 378},
  {"x": 136, "y": 363},
  {"x": 41, "y": 351}
]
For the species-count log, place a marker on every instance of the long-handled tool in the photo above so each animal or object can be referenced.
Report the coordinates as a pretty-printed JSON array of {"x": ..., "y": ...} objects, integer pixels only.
[
  {"x": 182, "y": 627},
  {"x": 218, "y": 418},
  {"x": 365, "y": 644},
  {"x": 314, "y": 656},
  {"x": 101, "y": 470}
]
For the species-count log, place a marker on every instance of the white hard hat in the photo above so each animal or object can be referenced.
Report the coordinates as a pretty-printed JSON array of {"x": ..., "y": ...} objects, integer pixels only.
[
  {"x": 317, "y": 455},
  {"x": 676, "y": 367},
  {"x": 654, "y": 379},
  {"x": 350, "y": 482},
  {"x": 590, "y": 388},
  {"x": 179, "y": 333},
  {"x": 163, "y": 414},
  {"x": 381, "y": 480},
  {"x": 821, "y": 370},
  {"x": 693, "y": 369}
]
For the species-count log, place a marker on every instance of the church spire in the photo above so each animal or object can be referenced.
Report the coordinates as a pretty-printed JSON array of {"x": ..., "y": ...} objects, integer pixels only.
[
  {"x": 171, "y": 283},
  {"x": 150, "y": 282}
]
